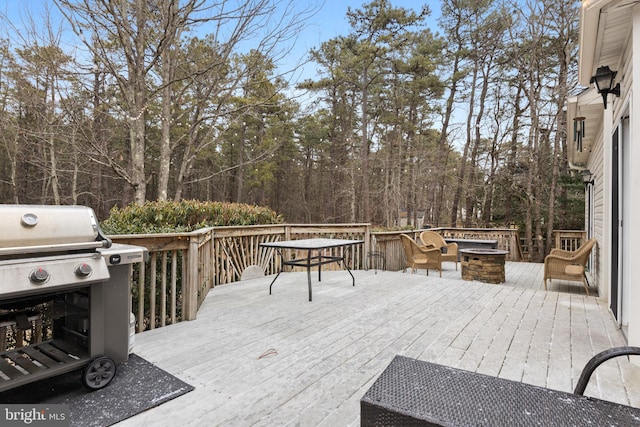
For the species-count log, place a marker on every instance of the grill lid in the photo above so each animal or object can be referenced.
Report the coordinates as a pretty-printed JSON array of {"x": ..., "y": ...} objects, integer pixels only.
[{"x": 28, "y": 229}]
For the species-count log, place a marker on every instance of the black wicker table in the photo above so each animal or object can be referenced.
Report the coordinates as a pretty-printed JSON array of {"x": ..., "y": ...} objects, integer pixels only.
[{"x": 411, "y": 392}]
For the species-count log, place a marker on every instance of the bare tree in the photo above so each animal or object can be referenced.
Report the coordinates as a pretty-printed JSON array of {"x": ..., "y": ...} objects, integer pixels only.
[
  {"x": 132, "y": 38},
  {"x": 9, "y": 136},
  {"x": 564, "y": 24}
]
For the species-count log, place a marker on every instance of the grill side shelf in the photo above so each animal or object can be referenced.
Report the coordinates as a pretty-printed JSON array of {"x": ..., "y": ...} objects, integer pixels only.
[{"x": 55, "y": 357}]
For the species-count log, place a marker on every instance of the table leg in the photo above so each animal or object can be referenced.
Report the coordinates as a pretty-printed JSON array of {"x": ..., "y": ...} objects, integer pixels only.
[
  {"x": 274, "y": 279},
  {"x": 353, "y": 279},
  {"x": 281, "y": 268},
  {"x": 347, "y": 251},
  {"x": 309, "y": 271}
]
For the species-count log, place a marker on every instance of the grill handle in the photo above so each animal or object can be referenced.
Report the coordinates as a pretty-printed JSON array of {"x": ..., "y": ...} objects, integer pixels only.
[
  {"x": 102, "y": 238},
  {"x": 22, "y": 250}
]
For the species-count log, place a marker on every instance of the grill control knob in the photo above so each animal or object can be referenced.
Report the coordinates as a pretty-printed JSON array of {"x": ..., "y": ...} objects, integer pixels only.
[
  {"x": 83, "y": 270},
  {"x": 39, "y": 276}
]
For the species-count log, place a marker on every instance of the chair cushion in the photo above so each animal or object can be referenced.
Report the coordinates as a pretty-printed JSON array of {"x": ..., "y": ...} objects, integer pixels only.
[{"x": 574, "y": 269}]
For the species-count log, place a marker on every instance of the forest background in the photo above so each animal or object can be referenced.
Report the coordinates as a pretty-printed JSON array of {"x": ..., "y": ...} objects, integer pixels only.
[{"x": 133, "y": 100}]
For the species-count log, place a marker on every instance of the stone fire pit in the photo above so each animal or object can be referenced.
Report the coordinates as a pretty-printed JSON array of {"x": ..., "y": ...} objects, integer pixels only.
[{"x": 483, "y": 265}]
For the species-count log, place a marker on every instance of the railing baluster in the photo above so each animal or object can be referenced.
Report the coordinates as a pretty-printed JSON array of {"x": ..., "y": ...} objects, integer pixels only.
[
  {"x": 174, "y": 275},
  {"x": 163, "y": 290},
  {"x": 152, "y": 291},
  {"x": 141, "y": 285}
]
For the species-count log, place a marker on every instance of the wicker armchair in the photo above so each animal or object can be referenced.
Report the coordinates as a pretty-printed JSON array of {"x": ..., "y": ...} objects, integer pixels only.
[
  {"x": 568, "y": 265},
  {"x": 419, "y": 257},
  {"x": 433, "y": 239}
]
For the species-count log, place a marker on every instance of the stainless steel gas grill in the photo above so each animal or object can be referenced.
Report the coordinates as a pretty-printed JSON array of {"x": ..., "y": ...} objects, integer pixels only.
[{"x": 64, "y": 295}]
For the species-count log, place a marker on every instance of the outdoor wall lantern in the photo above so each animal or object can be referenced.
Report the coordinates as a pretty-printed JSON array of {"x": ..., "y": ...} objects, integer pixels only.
[
  {"x": 587, "y": 178},
  {"x": 604, "y": 81}
]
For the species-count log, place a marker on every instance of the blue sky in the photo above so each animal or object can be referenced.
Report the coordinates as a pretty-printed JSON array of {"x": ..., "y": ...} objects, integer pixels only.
[{"x": 330, "y": 21}]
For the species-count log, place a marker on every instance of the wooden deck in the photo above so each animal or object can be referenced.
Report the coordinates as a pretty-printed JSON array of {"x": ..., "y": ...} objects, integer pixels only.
[{"x": 272, "y": 360}]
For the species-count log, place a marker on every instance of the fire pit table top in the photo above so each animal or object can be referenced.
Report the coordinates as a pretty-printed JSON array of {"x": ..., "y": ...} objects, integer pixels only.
[{"x": 483, "y": 251}]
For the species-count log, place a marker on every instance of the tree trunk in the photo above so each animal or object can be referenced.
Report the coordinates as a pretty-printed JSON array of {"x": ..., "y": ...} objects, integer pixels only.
[
  {"x": 465, "y": 153},
  {"x": 561, "y": 122},
  {"x": 51, "y": 142},
  {"x": 164, "y": 166},
  {"x": 364, "y": 151},
  {"x": 137, "y": 141},
  {"x": 443, "y": 148},
  {"x": 511, "y": 158}
]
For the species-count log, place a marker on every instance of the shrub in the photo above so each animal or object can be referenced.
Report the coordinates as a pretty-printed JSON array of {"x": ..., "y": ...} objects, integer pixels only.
[{"x": 184, "y": 216}]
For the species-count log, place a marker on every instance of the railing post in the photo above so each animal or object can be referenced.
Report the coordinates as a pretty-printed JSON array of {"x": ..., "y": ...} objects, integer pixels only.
[
  {"x": 215, "y": 260},
  {"x": 141, "y": 284},
  {"x": 190, "y": 288},
  {"x": 367, "y": 246},
  {"x": 516, "y": 249}
]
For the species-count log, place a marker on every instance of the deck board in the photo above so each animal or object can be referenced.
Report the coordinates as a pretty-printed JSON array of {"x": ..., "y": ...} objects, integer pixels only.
[{"x": 271, "y": 360}]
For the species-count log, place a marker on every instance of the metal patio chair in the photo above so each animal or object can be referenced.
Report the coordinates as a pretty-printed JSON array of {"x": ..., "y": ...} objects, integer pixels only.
[{"x": 597, "y": 360}]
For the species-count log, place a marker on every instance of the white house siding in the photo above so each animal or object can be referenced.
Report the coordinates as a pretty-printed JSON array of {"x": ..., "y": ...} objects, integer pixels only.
[
  {"x": 633, "y": 224},
  {"x": 598, "y": 261},
  {"x": 600, "y": 163},
  {"x": 609, "y": 30}
]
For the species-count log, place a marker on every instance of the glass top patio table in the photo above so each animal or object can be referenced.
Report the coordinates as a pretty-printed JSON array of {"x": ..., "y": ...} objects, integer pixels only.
[{"x": 311, "y": 260}]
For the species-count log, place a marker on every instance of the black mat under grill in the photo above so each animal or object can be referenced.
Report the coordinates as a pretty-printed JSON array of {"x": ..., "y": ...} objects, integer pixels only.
[{"x": 137, "y": 386}]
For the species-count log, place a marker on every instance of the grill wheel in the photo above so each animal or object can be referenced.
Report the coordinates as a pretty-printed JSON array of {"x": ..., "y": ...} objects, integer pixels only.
[{"x": 99, "y": 373}]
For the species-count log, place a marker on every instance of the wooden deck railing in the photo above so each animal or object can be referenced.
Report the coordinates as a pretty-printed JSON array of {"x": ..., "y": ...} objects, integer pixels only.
[
  {"x": 568, "y": 240},
  {"x": 387, "y": 244},
  {"x": 173, "y": 283},
  {"x": 183, "y": 267}
]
